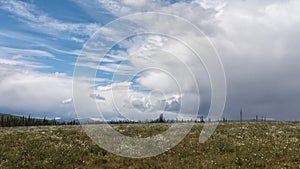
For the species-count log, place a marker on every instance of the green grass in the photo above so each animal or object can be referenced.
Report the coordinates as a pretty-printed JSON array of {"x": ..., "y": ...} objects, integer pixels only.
[{"x": 254, "y": 145}]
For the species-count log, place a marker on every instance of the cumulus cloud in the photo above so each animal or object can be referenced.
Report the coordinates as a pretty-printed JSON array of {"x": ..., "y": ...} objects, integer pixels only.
[
  {"x": 257, "y": 42},
  {"x": 173, "y": 104},
  {"x": 27, "y": 91},
  {"x": 30, "y": 92}
]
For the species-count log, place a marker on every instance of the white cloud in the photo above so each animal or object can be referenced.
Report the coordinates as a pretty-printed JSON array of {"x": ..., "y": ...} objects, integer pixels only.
[
  {"x": 17, "y": 56},
  {"x": 121, "y": 99},
  {"x": 7, "y": 51},
  {"x": 67, "y": 101},
  {"x": 41, "y": 22},
  {"x": 166, "y": 84},
  {"x": 256, "y": 41},
  {"x": 77, "y": 40},
  {"x": 34, "y": 93},
  {"x": 10, "y": 62},
  {"x": 17, "y": 63},
  {"x": 39, "y": 94}
]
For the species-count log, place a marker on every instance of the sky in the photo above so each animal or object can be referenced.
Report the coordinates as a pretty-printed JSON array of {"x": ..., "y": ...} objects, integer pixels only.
[{"x": 45, "y": 44}]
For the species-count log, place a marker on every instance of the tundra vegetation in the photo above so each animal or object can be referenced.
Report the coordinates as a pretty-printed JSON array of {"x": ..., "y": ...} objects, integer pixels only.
[{"x": 233, "y": 145}]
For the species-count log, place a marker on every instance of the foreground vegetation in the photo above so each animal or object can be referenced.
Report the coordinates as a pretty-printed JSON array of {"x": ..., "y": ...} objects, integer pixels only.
[{"x": 252, "y": 145}]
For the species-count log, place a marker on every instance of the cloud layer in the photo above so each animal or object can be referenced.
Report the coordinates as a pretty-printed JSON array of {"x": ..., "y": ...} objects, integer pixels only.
[{"x": 257, "y": 42}]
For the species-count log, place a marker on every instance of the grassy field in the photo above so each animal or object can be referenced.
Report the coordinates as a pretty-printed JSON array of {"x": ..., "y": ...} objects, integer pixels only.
[{"x": 254, "y": 145}]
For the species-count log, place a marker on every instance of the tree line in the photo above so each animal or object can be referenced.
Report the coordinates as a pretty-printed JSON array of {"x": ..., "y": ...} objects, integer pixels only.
[{"x": 11, "y": 121}]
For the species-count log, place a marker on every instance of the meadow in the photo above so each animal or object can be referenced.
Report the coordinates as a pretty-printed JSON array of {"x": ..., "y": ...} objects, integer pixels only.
[{"x": 250, "y": 145}]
